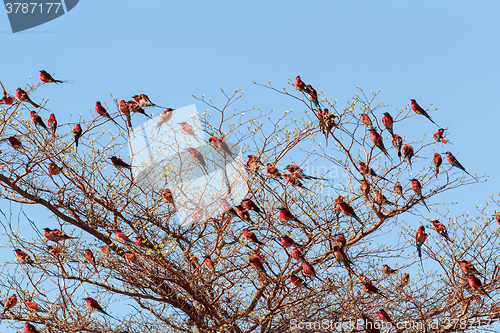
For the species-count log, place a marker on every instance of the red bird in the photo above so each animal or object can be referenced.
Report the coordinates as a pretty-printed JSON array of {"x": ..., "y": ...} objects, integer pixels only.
[
  {"x": 348, "y": 210},
  {"x": 454, "y": 162},
  {"x": 420, "y": 238},
  {"x": 341, "y": 241},
  {"x": 253, "y": 163},
  {"x": 299, "y": 84},
  {"x": 23, "y": 257},
  {"x": 309, "y": 269},
  {"x": 251, "y": 237},
  {"x": 6, "y": 99},
  {"x": 33, "y": 306},
  {"x": 142, "y": 241},
  {"x": 250, "y": 205},
  {"x": 475, "y": 283},
  {"x": 47, "y": 78},
  {"x": 9, "y": 303},
  {"x": 77, "y": 132},
  {"x": 297, "y": 254},
  {"x": 54, "y": 170},
  {"x": 52, "y": 122},
  {"x": 388, "y": 122},
  {"x": 441, "y": 229},
  {"x": 468, "y": 268},
  {"x": 199, "y": 159},
  {"x": 221, "y": 146},
  {"x": 136, "y": 108},
  {"x": 371, "y": 289},
  {"x": 118, "y": 163},
  {"x": 417, "y": 188},
  {"x": 312, "y": 94},
  {"x": 286, "y": 215},
  {"x": 438, "y": 160},
  {"x": 93, "y": 305},
  {"x": 438, "y": 136},
  {"x": 399, "y": 189},
  {"x": 397, "y": 142},
  {"x": 122, "y": 237},
  {"x": 37, "y": 120},
  {"x": 407, "y": 153},
  {"x": 297, "y": 281},
  {"x": 376, "y": 138},
  {"x": 256, "y": 262},
  {"x": 366, "y": 120},
  {"x": 59, "y": 235},
  {"x": 415, "y": 107},
  {"x": 54, "y": 249},
  {"x": 243, "y": 214},
  {"x": 228, "y": 208},
  {"x": 209, "y": 263},
  {"x": 129, "y": 257},
  {"x": 164, "y": 118},
  {"x": 167, "y": 196},
  {"x": 89, "y": 256},
  {"x": 143, "y": 100},
  {"x": 188, "y": 130},
  {"x": 272, "y": 171},
  {"x": 15, "y": 143},
  {"x": 24, "y": 97},
  {"x": 388, "y": 270},
  {"x": 287, "y": 241},
  {"x": 126, "y": 111},
  {"x": 382, "y": 315},
  {"x": 29, "y": 328}
]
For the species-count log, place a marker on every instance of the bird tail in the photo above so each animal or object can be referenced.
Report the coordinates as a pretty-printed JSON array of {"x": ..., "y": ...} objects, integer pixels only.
[
  {"x": 425, "y": 203},
  {"x": 445, "y": 141}
]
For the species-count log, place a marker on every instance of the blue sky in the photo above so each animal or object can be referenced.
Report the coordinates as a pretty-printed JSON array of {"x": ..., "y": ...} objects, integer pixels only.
[{"x": 442, "y": 52}]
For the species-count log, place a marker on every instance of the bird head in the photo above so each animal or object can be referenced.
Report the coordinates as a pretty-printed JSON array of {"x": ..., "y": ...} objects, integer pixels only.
[
  {"x": 422, "y": 228},
  {"x": 372, "y": 129},
  {"x": 113, "y": 158},
  {"x": 47, "y": 229},
  {"x": 413, "y": 179},
  {"x": 86, "y": 250},
  {"x": 43, "y": 71},
  {"x": 183, "y": 123},
  {"x": 335, "y": 248},
  {"x": 448, "y": 153},
  {"x": 17, "y": 250},
  {"x": 381, "y": 310},
  {"x": 386, "y": 113},
  {"x": 281, "y": 208},
  {"x": 206, "y": 257},
  {"x": 87, "y": 298},
  {"x": 293, "y": 275},
  {"x": 135, "y": 96},
  {"x": 414, "y": 101},
  {"x": 18, "y": 89},
  {"x": 435, "y": 221},
  {"x": 98, "y": 102},
  {"x": 212, "y": 139}
]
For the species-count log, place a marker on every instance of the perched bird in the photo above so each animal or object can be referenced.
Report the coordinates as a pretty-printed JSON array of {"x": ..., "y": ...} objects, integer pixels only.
[
  {"x": 122, "y": 237},
  {"x": 33, "y": 306},
  {"x": 54, "y": 249},
  {"x": 376, "y": 138},
  {"x": 143, "y": 100},
  {"x": 23, "y": 257},
  {"x": 417, "y": 188},
  {"x": 77, "y": 132},
  {"x": 15, "y": 143},
  {"x": 497, "y": 217},
  {"x": 349, "y": 211},
  {"x": 382, "y": 315},
  {"x": 126, "y": 111},
  {"x": 312, "y": 94},
  {"x": 380, "y": 199},
  {"x": 388, "y": 270},
  {"x": 105, "y": 249},
  {"x": 309, "y": 269},
  {"x": 52, "y": 122},
  {"x": 272, "y": 171},
  {"x": 47, "y": 78},
  {"x": 438, "y": 136},
  {"x": 6, "y": 99},
  {"x": 404, "y": 280},
  {"x": 94, "y": 306},
  {"x": 251, "y": 237},
  {"x": 248, "y": 204},
  {"x": 455, "y": 163},
  {"x": 388, "y": 122},
  {"x": 437, "y": 160},
  {"x": 399, "y": 189},
  {"x": 29, "y": 328},
  {"x": 365, "y": 187},
  {"x": 59, "y": 235},
  {"x": 371, "y": 289},
  {"x": 209, "y": 263},
  {"x": 329, "y": 125},
  {"x": 340, "y": 240},
  {"x": 286, "y": 215},
  {"x": 243, "y": 214},
  {"x": 420, "y": 238},
  {"x": 9, "y": 303},
  {"x": 101, "y": 110},
  {"x": 164, "y": 118},
  {"x": 256, "y": 262},
  {"x": 418, "y": 109},
  {"x": 129, "y": 257},
  {"x": 142, "y": 241},
  {"x": 118, "y": 163},
  {"x": 475, "y": 283},
  {"x": 89, "y": 256},
  {"x": 366, "y": 120},
  {"x": 367, "y": 170},
  {"x": 397, "y": 142},
  {"x": 297, "y": 254},
  {"x": 294, "y": 180},
  {"x": 440, "y": 229},
  {"x": 468, "y": 268},
  {"x": 167, "y": 196},
  {"x": 407, "y": 153},
  {"x": 228, "y": 208},
  {"x": 299, "y": 84},
  {"x": 198, "y": 157},
  {"x": 37, "y": 120},
  {"x": 47, "y": 232},
  {"x": 253, "y": 163},
  {"x": 188, "y": 130},
  {"x": 24, "y": 97},
  {"x": 341, "y": 257},
  {"x": 136, "y": 108},
  {"x": 297, "y": 281},
  {"x": 287, "y": 241},
  {"x": 221, "y": 146}
]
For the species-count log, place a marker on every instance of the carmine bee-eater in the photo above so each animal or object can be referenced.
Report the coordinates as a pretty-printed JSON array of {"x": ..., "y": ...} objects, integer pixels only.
[
  {"x": 37, "y": 120},
  {"x": 198, "y": 157},
  {"x": 188, "y": 130},
  {"x": 257, "y": 264},
  {"x": 29, "y": 328},
  {"x": 441, "y": 229},
  {"x": 341, "y": 257},
  {"x": 399, "y": 189},
  {"x": 299, "y": 84},
  {"x": 404, "y": 280},
  {"x": 376, "y": 138},
  {"x": 15, "y": 143},
  {"x": 248, "y": 204},
  {"x": 118, "y": 163},
  {"x": 251, "y": 237},
  {"x": 136, "y": 108},
  {"x": 122, "y": 237},
  {"x": 417, "y": 188},
  {"x": 407, "y": 153},
  {"x": 309, "y": 269},
  {"x": 167, "y": 196},
  {"x": 47, "y": 78},
  {"x": 418, "y": 109},
  {"x": 298, "y": 281},
  {"x": 9, "y": 303},
  {"x": 330, "y": 123},
  {"x": 253, "y": 163},
  {"x": 382, "y": 315},
  {"x": 129, "y": 257},
  {"x": 371, "y": 289},
  {"x": 295, "y": 169},
  {"x": 105, "y": 249},
  {"x": 24, "y": 97},
  {"x": 388, "y": 122},
  {"x": 272, "y": 171},
  {"x": 286, "y": 215},
  {"x": 420, "y": 238},
  {"x": 77, "y": 132},
  {"x": 221, "y": 146},
  {"x": 475, "y": 283},
  {"x": 397, "y": 142},
  {"x": 312, "y": 94},
  {"x": 294, "y": 180},
  {"x": 468, "y": 268},
  {"x": 54, "y": 249},
  {"x": 349, "y": 211},
  {"x": 454, "y": 162},
  {"x": 388, "y": 270},
  {"x": 59, "y": 235},
  {"x": 367, "y": 170},
  {"x": 164, "y": 118},
  {"x": 143, "y": 100},
  {"x": 297, "y": 254},
  {"x": 126, "y": 111},
  {"x": 437, "y": 160},
  {"x": 52, "y": 122},
  {"x": 366, "y": 120},
  {"x": 23, "y": 257},
  {"x": 209, "y": 263},
  {"x": 287, "y": 241},
  {"x": 94, "y": 306},
  {"x": 104, "y": 113},
  {"x": 33, "y": 306},
  {"x": 142, "y": 241},
  {"x": 340, "y": 240},
  {"x": 380, "y": 198},
  {"x": 49, "y": 235},
  {"x": 228, "y": 208},
  {"x": 89, "y": 256},
  {"x": 243, "y": 214},
  {"x": 438, "y": 136},
  {"x": 6, "y": 99}
]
